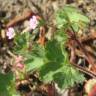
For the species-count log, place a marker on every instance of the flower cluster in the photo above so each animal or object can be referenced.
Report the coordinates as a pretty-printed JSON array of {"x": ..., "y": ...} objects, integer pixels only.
[{"x": 33, "y": 23}]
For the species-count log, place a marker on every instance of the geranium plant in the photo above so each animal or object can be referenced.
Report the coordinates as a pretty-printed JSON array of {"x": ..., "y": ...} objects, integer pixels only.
[{"x": 49, "y": 57}]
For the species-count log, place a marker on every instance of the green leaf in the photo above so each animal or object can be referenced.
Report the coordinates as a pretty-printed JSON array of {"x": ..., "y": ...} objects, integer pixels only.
[
  {"x": 69, "y": 17},
  {"x": 34, "y": 63},
  {"x": 12, "y": 89},
  {"x": 57, "y": 67},
  {"x": 74, "y": 15},
  {"x": 61, "y": 36},
  {"x": 75, "y": 27},
  {"x": 61, "y": 21},
  {"x": 5, "y": 81},
  {"x": 35, "y": 58},
  {"x": 77, "y": 17},
  {"x": 52, "y": 49},
  {"x": 20, "y": 42}
]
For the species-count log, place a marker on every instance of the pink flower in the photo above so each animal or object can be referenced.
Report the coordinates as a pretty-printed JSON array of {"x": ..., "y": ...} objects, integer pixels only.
[
  {"x": 20, "y": 65},
  {"x": 33, "y": 22},
  {"x": 19, "y": 62},
  {"x": 18, "y": 59},
  {"x": 10, "y": 33}
]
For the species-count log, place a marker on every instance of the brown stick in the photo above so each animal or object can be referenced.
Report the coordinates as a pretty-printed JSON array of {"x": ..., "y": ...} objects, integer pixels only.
[
  {"x": 91, "y": 36},
  {"x": 72, "y": 58},
  {"x": 87, "y": 38},
  {"x": 90, "y": 49},
  {"x": 42, "y": 38},
  {"x": 18, "y": 19},
  {"x": 84, "y": 70},
  {"x": 86, "y": 54}
]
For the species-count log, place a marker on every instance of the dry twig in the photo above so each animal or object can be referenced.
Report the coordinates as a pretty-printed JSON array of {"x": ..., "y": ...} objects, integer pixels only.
[{"x": 21, "y": 18}]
